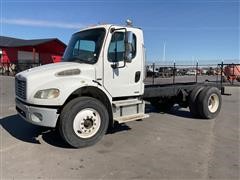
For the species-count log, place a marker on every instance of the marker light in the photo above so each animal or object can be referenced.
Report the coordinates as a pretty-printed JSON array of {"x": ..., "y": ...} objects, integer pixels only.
[{"x": 69, "y": 72}]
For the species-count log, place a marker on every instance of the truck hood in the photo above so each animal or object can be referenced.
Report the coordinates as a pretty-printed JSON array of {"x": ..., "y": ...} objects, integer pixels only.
[
  {"x": 46, "y": 76},
  {"x": 50, "y": 70}
]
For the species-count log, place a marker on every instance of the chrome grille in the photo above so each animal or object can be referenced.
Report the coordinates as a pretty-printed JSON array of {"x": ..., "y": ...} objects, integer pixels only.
[{"x": 20, "y": 88}]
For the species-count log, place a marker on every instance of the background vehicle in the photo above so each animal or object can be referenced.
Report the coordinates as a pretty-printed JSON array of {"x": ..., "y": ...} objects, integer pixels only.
[
  {"x": 191, "y": 72},
  {"x": 232, "y": 72},
  {"x": 152, "y": 72},
  {"x": 100, "y": 82}
]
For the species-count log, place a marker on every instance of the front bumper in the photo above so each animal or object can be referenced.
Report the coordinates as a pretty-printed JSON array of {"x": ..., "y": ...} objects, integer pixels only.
[{"x": 37, "y": 115}]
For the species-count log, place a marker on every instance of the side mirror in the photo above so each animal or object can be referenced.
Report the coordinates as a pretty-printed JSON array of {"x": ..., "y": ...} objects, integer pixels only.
[{"x": 128, "y": 46}]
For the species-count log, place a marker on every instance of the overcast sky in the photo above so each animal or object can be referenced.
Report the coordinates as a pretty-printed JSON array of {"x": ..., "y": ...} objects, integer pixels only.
[{"x": 207, "y": 30}]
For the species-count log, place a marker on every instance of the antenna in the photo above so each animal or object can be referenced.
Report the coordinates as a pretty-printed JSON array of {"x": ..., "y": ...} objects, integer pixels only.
[{"x": 164, "y": 52}]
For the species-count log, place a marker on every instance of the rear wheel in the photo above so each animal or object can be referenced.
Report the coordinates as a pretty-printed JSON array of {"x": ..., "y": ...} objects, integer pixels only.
[
  {"x": 193, "y": 103},
  {"x": 209, "y": 102},
  {"x": 83, "y": 122}
]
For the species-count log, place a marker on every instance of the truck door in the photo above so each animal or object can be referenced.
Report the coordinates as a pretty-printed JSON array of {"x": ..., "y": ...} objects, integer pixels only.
[{"x": 122, "y": 80}]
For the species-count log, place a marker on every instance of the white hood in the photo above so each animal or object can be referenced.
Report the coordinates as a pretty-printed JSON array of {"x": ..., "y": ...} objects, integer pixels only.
[
  {"x": 52, "y": 69},
  {"x": 45, "y": 77}
]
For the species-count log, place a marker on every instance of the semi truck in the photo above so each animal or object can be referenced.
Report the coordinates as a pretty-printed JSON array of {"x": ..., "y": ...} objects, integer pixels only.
[{"x": 100, "y": 82}]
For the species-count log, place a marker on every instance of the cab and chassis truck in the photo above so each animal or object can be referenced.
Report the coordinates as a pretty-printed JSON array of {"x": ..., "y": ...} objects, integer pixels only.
[{"x": 100, "y": 83}]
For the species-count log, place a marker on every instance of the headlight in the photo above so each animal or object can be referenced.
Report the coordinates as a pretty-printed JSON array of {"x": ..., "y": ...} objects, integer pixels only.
[{"x": 47, "y": 94}]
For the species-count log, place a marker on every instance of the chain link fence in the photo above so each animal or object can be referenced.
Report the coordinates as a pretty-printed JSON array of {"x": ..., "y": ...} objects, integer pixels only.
[{"x": 173, "y": 73}]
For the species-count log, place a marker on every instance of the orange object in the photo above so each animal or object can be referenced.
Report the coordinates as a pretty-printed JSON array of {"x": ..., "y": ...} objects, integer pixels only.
[{"x": 232, "y": 72}]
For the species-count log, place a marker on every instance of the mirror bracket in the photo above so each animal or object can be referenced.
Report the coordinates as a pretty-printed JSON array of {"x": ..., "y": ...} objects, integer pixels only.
[{"x": 114, "y": 65}]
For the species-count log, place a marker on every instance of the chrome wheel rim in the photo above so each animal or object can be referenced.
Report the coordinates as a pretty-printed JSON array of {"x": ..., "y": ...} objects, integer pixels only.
[
  {"x": 213, "y": 103},
  {"x": 86, "y": 123}
]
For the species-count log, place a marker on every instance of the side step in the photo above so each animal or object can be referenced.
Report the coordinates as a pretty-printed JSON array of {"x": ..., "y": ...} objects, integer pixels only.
[
  {"x": 126, "y": 102},
  {"x": 128, "y": 118}
]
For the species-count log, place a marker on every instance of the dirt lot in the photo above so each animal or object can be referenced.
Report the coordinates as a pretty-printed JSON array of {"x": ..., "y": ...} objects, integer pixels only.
[{"x": 166, "y": 146}]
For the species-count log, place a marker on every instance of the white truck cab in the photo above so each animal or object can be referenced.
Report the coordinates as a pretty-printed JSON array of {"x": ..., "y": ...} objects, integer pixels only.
[{"x": 99, "y": 81}]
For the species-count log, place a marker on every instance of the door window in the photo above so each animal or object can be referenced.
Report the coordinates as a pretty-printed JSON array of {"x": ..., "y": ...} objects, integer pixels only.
[{"x": 116, "y": 48}]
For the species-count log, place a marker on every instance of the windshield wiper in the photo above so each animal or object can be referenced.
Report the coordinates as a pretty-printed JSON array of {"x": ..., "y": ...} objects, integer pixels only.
[{"x": 75, "y": 59}]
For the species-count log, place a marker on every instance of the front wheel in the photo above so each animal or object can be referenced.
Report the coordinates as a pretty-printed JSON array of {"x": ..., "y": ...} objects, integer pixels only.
[{"x": 83, "y": 122}]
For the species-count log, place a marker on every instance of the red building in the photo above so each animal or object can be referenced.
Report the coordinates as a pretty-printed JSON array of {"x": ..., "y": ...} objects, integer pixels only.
[{"x": 40, "y": 51}]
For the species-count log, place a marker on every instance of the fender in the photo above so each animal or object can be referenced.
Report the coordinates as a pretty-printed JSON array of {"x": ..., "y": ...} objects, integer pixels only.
[{"x": 96, "y": 92}]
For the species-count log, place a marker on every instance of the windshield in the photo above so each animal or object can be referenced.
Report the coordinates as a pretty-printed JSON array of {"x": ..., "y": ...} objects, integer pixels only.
[{"x": 85, "y": 46}]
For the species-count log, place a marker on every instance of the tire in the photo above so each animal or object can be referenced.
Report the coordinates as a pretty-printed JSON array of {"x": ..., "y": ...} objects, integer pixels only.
[
  {"x": 193, "y": 101},
  {"x": 83, "y": 122},
  {"x": 209, "y": 102}
]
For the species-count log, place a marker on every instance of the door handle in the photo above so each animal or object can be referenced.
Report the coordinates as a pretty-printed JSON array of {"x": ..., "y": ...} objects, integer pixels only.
[{"x": 137, "y": 76}]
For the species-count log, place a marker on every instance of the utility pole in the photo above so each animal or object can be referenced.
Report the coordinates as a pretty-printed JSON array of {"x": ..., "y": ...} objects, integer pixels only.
[{"x": 164, "y": 52}]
